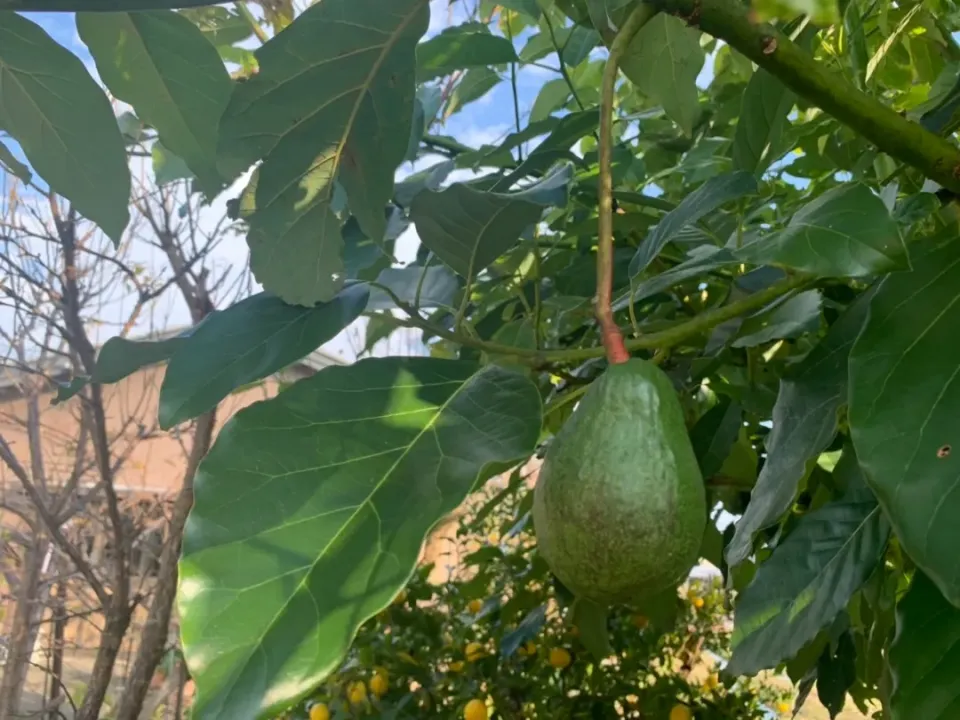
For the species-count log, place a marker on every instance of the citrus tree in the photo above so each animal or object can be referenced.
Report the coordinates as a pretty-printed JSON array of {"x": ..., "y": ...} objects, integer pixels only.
[{"x": 774, "y": 234}]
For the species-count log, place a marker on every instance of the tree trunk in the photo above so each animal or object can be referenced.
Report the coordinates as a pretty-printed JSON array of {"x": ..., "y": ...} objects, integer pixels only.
[
  {"x": 111, "y": 640},
  {"x": 19, "y": 648},
  {"x": 153, "y": 638}
]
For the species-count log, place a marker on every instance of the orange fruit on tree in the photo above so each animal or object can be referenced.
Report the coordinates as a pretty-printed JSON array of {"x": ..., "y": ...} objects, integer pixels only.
[
  {"x": 320, "y": 711},
  {"x": 560, "y": 658},
  {"x": 475, "y": 710},
  {"x": 379, "y": 684},
  {"x": 357, "y": 693},
  {"x": 475, "y": 606},
  {"x": 474, "y": 651},
  {"x": 681, "y": 712}
]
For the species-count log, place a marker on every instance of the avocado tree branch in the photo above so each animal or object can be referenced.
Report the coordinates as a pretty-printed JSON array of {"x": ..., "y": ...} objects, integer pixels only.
[
  {"x": 612, "y": 337},
  {"x": 907, "y": 141},
  {"x": 661, "y": 340}
]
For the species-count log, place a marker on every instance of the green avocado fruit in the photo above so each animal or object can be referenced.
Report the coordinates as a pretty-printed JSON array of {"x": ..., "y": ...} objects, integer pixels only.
[{"x": 619, "y": 507}]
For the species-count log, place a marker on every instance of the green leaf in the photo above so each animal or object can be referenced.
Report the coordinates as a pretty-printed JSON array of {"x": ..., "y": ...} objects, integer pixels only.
[
  {"x": 120, "y": 357},
  {"x": 541, "y": 44},
  {"x": 379, "y": 327},
  {"x": 903, "y": 402},
  {"x": 12, "y": 165},
  {"x": 248, "y": 341},
  {"x": 845, "y": 232},
  {"x": 836, "y": 674},
  {"x": 591, "y": 619},
  {"x": 160, "y": 63},
  {"x": 708, "y": 258},
  {"x": 527, "y": 7},
  {"x": 701, "y": 202},
  {"x": 362, "y": 54},
  {"x": 804, "y": 424},
  {"x": 167, "y": 167},
  {"x": 578, "y": 46},
  {"x": 468, "y": 229},
  {"x": 663, "y": 61},
  {"x": 475, "y": 83},
  {"x": 787, "y": 319},
  {"x": 527, "y": 629},
  {"x": 429, "y": 179},
  {"x": 457, "y": 48},
  {"x": 64, "y": 123},
  {"x": 810, "y": 576},
  {"x": 219, "y": 25},
  {"x": 925, "y": 655},
  {"x": 436, "y": 285},
  {"x": 552, "y": 96},
  {"x": 714, "y": 435},
  {"x": 763, "y": 115},
  {"x": 327, "y": 492}
]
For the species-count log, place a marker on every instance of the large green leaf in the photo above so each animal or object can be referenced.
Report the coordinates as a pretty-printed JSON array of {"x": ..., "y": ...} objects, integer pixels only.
[
  {"x": 663, "y": 61},
  {"x": 925, "y": 655},
  {"x": 12, "y": 165},
  {"x": 552, "y": 96},
  {"x": 432, "y": 286},
  {"x": 167, "y": 167},
  {"x": 763, "y": 116},
  {"x": 714, "y": 435},
  {"x": 790, "y": 318},
  {"x": 361, "y": 53},
  {"x": 804, "y": 424},
  {"x": 248, "y": 341},
  {"x": 845, "y": 232},
  {"x": 468, "y": 228},
  {"x": 64, "y": 124},
  {"x": 810, "y": 576},
  {"x": 120, "y": 357},
  {"x": 160, "y": 63},
  {"x": 219, "y": 25},
  {"x": 904, "y": 400},
  {"x": 702, "y": 261},
  {"x": 457, "y": 48},
  {"x": 701, "y": 202},
  {"x": 311, "y": 508},
  {"x": 475, "y": 83}
]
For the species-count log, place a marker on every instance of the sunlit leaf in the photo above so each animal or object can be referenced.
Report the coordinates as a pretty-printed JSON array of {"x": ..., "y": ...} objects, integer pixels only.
[
  {"x": 327, "y": 491},
  {"x": 248, "y": 341},
  {"x": 160, "y": 63},
  {"x": 810, "y": 577},
  {"x": 63, "y": 122},
  {"x": 903, "y": 400},
  {"x": 362, "y": 53}
]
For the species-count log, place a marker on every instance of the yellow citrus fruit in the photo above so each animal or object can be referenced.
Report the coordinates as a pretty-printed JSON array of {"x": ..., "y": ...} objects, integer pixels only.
[
  {"x": 641, "y": 622},
  {"x": 711, "y": 683},
  {"x": 475, "y": 710},
  {"x": 681, "y": 712},
  {"x": 474, "y": 651},
  {"x": 560, "y": 658},
  {"x": 784, "y": 707},
  {"x": 401, "y": 598},
  {"x": 379, "y": 685},
  {"x": 494, "y": 538},
  {"x": 698, "y": 602},
  {"x": 528, "y": 649},
  {"x": 320, "y": 712},
  {"x": 475, "y": 606},
  {"x": 357, "y": 693},
  {"x": 456, "y": 666}
]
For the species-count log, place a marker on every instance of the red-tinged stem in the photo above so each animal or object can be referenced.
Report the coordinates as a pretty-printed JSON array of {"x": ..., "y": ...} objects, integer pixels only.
[{"x": 613, "y": 343}]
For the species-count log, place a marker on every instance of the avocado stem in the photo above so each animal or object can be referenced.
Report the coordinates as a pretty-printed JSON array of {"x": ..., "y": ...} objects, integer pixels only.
[{"x": 613, "y": 343}]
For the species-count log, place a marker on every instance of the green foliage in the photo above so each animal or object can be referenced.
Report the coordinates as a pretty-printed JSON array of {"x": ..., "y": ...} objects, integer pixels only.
[
  {"x": 491, "y": 629},
  {"x": 784, "y": 245}
]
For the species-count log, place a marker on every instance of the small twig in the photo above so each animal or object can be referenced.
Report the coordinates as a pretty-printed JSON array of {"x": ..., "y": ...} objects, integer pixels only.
[{"x": 257, "y": 28}]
